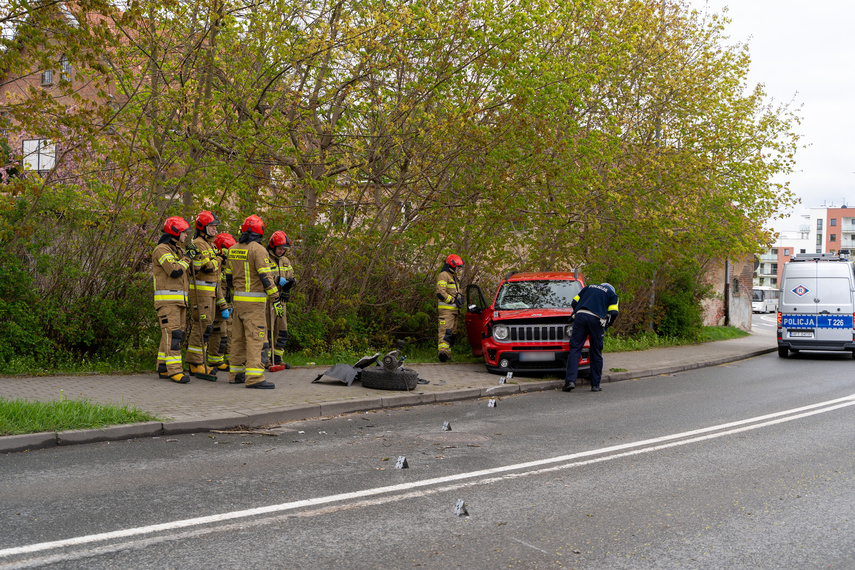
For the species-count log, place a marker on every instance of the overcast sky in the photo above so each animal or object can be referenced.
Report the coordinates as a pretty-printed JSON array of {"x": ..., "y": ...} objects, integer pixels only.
[{"x": 804, "y": 51}]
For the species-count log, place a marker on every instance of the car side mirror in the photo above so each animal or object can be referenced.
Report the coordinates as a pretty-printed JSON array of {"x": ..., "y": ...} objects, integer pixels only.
[{"x": 473, "y": 309}]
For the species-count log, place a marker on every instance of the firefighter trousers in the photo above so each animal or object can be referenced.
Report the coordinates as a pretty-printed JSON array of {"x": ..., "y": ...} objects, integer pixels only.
[
  {"x": 277, "y": 328},
  {"x": 248, "y": 337},
  {"x": 172, "y": 321},
  {"x": 202, "y": 311},
  {"x": 447, "y": 329},
  {"x": 218, "y": 344}
]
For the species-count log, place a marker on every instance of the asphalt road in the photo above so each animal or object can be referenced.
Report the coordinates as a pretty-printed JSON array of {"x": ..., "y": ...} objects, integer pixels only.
[{"x": 747, "y": 465}]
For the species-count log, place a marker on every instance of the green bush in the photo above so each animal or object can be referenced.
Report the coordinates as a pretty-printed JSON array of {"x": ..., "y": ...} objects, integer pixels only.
[{"x": 678, "y": 304}]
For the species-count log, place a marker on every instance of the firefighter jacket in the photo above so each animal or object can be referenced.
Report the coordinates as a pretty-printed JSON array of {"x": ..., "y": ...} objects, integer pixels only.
[
  {"x": 248, "y": 274},
  {"x": 207, "y": 270},
  {"x": 447, "y": 288},
  {"x": 280, "y": 267},
  {"x": 169, "y": 271}
]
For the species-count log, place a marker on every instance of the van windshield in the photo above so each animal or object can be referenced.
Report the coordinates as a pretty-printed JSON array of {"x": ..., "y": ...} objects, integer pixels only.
[{"x": 520, "y": 295}]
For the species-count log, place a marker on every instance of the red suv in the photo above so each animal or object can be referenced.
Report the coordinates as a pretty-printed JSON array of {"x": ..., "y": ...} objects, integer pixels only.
[{"x": 525, "y": 329}]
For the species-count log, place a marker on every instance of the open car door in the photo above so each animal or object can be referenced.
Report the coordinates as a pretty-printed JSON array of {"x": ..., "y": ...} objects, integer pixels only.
[{"x": 476, "y": 316}]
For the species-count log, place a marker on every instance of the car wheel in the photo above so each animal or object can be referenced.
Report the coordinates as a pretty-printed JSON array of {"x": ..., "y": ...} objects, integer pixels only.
[
  {"x": 379, "y": 379},
  {"x": 782, "y": 351}
]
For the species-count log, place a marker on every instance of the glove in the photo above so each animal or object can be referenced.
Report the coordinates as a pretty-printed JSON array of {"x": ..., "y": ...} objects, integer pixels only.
[
  {"x": 282, "y": 281},
  {"x": 459, "y": 300},
  {"x": 192, "y": 251},
  {"x": 277, "y": 306},
  {"x": 226, "y": 313}
]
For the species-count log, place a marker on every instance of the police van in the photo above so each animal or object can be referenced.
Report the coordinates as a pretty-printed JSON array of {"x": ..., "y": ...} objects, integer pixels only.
[{"x": 817, "y": 304}]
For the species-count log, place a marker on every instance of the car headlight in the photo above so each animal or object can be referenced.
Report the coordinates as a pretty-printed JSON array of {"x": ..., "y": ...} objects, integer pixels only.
[
  {"x": 500, "y": 332},
  {"x": 568, "y": 330}
]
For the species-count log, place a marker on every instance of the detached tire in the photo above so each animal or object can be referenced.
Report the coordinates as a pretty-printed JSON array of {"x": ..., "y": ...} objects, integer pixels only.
[
  {"x": 379, "y": 379},
  {"x": 782, "y": 351}
]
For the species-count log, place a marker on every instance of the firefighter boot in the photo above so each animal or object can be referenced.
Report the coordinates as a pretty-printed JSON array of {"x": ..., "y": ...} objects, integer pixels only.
[
  {"x": 224, "y": 366},
  {"x": 180, "y": 378},
  {"x": 204, "y": 372},
  {"x": 161, "y": 370}
]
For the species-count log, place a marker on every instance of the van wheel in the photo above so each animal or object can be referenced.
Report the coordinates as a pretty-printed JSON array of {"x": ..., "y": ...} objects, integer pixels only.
[{"x": 782, "y": 351}]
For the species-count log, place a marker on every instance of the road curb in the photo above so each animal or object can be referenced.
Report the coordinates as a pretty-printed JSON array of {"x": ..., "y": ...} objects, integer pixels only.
[{"x": 43, "y": 440}]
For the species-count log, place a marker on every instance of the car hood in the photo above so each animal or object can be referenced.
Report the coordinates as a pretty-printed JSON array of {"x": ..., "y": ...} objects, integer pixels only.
[{"x": 507, "y": 315}]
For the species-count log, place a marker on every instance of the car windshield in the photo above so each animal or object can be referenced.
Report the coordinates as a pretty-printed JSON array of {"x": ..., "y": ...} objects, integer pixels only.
[{"x": 537, "y": 295}]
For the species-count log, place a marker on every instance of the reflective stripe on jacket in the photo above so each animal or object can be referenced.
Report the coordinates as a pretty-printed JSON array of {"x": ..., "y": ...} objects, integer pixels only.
[
  {"x": 446, "y": 290},
  {"x": 166, "y": 260}
]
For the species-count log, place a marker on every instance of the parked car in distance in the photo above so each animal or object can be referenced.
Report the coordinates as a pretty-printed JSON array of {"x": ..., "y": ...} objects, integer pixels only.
[{"x": 525, "y": 329}]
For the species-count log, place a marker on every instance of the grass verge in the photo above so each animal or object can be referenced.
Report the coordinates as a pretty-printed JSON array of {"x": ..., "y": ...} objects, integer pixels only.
[
  {"x": 652, "y": 340},
  {"x": 23, "y": 416}
]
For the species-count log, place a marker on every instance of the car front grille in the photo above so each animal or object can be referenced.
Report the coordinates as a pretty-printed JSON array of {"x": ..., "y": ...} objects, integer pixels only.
[{"x": 535, "y": 333}]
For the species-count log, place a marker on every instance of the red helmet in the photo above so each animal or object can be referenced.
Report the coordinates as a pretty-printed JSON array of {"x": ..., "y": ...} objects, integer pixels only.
[
  {"x": 224, "y": 241},
  {"x": 253, "y": 224},
  {"x": 454, "y": 261},
  {"x": 279, "y": 238},
  {"x": 174, "y": 225},
  {"x": 205, "y": 218}
]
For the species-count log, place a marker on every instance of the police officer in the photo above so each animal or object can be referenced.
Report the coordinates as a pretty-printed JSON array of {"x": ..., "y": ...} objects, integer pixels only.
[
  {"x": 595, "y": 308},
  {"x": 450, "y": 299},
  {"x": 283, "y": 276},
  {"x": 248, "y": 276},
  {"x": 169, "y": 269},
  {"x": 204, "y": 303},
  {"x": 218, "y": 343}
]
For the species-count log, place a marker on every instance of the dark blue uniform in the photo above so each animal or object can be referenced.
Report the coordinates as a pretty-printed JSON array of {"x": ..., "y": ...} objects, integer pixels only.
[{"x": 594, "y": 309}]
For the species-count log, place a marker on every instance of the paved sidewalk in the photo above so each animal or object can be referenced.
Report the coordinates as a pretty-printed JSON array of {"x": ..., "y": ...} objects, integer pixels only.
[{"x": 202, "y": 405}]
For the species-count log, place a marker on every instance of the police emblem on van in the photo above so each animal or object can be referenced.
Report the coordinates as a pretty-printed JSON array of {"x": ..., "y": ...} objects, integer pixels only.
[{"x": 801, "y": 290}]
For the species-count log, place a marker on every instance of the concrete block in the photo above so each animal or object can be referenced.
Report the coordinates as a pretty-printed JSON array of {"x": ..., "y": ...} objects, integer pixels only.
[
  {"x": 283, "y": 415},
  {"x": 348, "y": 406},
  {"x": 541, "y": 386},
  {"x": 501, "y": 390},
  {"x": 204, "y": 424},
  {"x": 462, "y": 394},
  {"x": 27, "y": 441},
  {"x": 112, "y": 433},
  {"x": 407, "y": 400}
]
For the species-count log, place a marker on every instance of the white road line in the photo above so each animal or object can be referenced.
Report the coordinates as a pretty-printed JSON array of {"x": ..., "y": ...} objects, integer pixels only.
[{"x": 460, "y": 480}]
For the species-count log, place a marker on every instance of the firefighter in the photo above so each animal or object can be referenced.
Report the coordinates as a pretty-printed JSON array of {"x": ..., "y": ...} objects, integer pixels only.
[
  {"x": 204, "y": 301},
  {"x": 248, "y": 276},
  {"x": 169, "y": 269},
  {"x": 450, "y": 299},
  {"x": 595, "y": 309},
  {"x": 218, "y": 343},
  {"x": 283, "y": 277}
]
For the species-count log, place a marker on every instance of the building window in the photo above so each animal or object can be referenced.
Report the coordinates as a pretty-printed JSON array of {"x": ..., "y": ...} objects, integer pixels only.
[
  {"x": 832, "y": 222},
  {"x": 774, "y": 270},
  {"x": 786, "y": 251},
  {"x": 819, "y": 224},
  {"x": 38, "y": 154},
  {"x": 832, "y": 237},
  {"x": 47, "y": 77},
  {"x": 818, "y": 239},
  {"x": 802, "y": 251},
  {"x": 774, "y": 251},
  {"x": 65, "y": 68}
]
